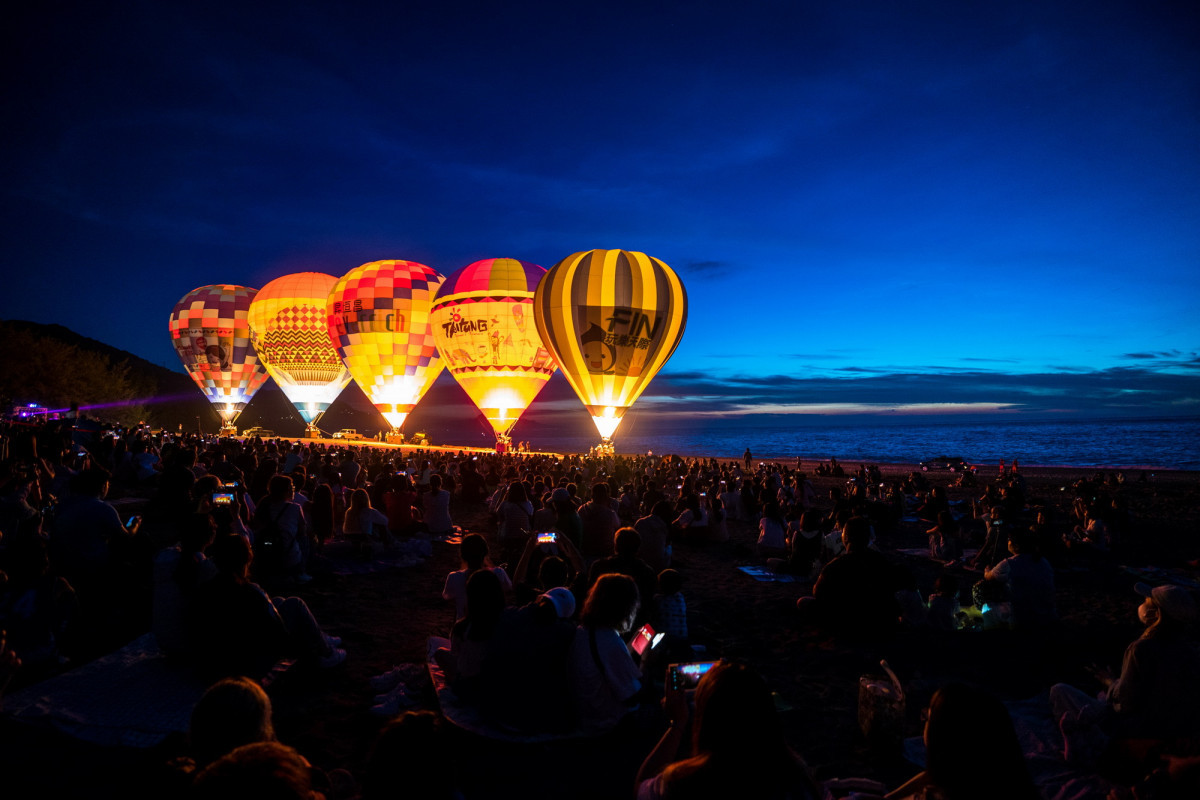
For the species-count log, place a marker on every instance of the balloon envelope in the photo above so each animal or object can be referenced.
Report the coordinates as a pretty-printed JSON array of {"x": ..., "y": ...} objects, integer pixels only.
[
  {"x": 484, "y": 328},
  {"x": 611, "y": 318},
  {"x": 379, "y": 322},
  {"x": 290, "y": 333},
  {"x": 211, "y": 334}
]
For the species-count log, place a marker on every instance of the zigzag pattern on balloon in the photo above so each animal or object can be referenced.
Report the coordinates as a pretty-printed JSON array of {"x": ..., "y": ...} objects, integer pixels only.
[{"x": 304, "y": 354}]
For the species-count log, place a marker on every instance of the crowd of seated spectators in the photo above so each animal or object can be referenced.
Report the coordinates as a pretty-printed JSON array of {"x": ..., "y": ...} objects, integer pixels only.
[{"x": 225, "y": 531}]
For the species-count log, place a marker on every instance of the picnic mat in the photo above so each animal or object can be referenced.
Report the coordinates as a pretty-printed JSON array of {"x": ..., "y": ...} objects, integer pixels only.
[
  {"x": 923, "y": 552},
  {"x": 1156, "y": 576},
  {"x": 133, "y": 697},
  {"x": 760, "y": 573}
]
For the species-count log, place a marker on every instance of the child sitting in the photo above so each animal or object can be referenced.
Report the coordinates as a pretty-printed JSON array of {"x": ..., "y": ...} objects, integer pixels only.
[
  {"x": 670, "y": 608},
  {"x": 943, "y": 603},
  {"x": 474, "y": 552}
]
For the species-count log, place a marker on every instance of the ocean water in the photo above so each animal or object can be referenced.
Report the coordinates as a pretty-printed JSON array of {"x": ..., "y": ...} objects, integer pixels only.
[{"x": 1162, "y": 443}]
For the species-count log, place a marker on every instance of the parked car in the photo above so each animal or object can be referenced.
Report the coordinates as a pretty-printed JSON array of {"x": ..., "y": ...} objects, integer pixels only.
[
  {"x": 347, "y": 433},
  {"x": 952, "y": 463},
  {"x": 264, "y": 433}
]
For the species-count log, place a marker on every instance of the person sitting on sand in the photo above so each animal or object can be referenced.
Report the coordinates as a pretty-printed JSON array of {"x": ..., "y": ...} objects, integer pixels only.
[
  {"x": 943, "y": 603},
  {"x": 772, "y": 532},
  {"x": 599, "y": 522},
  {"x": 972, "y": 751},
  {"x": 804, "y": 545},
  {"x": 437, "y": 507},
  {"x": 233, "y": 712},
  {"x": 738, "y": 747},
  {"x": 655, "y": 530},
  {"x": 935, "y": 503},
  {"x": 718, "y": 529},
  {"x": 411, "y": 757},
  {"x": 525, "y": 675},
  {"x": 1155, "y": 697},
  {"x": 1029, "y": 581},
  {"x": 404, "y": 516},
  {"x": 364, "y": 524},
  {"x": 474, "y": 553},
  {"x": 995, "y": 544},
  {"x": 626, "y": 544},
  {"x": 239, "y": 630},
  {"x": 471, "y": 636},
  {"x": 605, "y": 682},
  {"x": 856, "y": 592},
  {"x": 1092, "y": 532},
  {"x": 945, "y": 539},
  {"x": 279, "y": 526},
  {"x": 692, "y": 522},
  {"x": 515, "y": 513},
  {"x": 259, "y": 770}
]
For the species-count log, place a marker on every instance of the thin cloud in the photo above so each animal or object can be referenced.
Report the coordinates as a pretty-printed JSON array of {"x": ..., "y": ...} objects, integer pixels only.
[{"x": 1119, "y": 390}]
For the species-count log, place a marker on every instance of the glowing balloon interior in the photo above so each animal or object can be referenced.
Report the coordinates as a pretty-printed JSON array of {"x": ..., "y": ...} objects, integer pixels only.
[
  {"x": 378, "y": 316},
  {"x": 211, "y": 334},
  {"x": 483, "y": 325},
  {"x": 611, "y": 318},
  {"x": 291, "y": 335}
]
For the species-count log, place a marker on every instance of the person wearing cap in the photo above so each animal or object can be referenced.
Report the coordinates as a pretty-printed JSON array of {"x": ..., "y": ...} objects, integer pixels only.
[
  {"x": 525, "y": 680},
  {"x": 1156, "y": 696}
]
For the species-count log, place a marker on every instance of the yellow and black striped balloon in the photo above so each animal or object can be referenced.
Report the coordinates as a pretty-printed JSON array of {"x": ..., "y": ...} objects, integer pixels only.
[{"x": 611, "y": 319}]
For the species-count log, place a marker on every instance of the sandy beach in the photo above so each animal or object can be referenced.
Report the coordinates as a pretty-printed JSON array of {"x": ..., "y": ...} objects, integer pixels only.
[{"x": 385, "y": 617}]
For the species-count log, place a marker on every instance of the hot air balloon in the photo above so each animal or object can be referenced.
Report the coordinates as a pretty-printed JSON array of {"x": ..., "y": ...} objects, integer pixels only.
[
  {"x": 379, "y": 322},
  {"x": 484, "y": 329},
  {"x": 290, "y": 332},
  {"x": 611, "y": 318},
  {"x": 211, "y": 334}
]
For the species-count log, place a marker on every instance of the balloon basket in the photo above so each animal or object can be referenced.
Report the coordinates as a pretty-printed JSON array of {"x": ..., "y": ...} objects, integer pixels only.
[{"x": 228, "y": 430}]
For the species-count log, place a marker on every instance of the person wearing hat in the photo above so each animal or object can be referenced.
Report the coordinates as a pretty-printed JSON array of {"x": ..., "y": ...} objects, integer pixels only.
[
  {"x": 525, "y": 679},
  {"x": 1157, "y": 694}
]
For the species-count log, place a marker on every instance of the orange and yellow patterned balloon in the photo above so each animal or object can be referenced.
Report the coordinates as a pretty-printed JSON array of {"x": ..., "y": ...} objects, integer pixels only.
[
  {"x": 611, "y": 318},
  {"x": 484, "y": 328},
  {"x": 379, "y": 321},
  {"x": 211, "y": 334},
  {"x": 290, "y": 332}
]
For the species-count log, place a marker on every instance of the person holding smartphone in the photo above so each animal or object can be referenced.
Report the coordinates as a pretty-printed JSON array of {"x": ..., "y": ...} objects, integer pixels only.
[
  {"x": 738, "y": 748},
  {"x": 605, "y": 681}
]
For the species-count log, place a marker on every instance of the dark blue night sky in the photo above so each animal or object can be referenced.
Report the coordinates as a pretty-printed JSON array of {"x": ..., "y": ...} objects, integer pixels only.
[{"x": 919, "y": 206}]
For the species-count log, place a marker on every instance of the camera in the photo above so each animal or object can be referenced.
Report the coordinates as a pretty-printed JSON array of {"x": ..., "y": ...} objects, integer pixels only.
[
  {"x": 548, "y": 537},
  {"x": 222, "y": 498}
]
